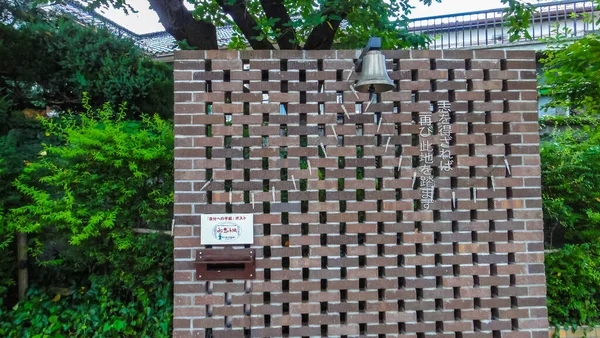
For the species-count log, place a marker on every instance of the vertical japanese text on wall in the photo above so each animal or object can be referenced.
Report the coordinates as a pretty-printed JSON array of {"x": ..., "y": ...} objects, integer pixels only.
[{"x": 426, "y": 143}]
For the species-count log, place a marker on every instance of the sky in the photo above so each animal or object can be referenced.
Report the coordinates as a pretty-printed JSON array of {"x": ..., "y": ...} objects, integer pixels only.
[{"x": 146, "y": 20}]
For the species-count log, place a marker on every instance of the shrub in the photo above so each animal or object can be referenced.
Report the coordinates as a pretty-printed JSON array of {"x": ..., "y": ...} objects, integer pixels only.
[
  {"x": 84, "y": 197},
  {"x": 20, "y": 143},
  {"x": 573, "y": 285},
  {"x": 89, "y": 313},
  {"x": 570, "y": 177}
]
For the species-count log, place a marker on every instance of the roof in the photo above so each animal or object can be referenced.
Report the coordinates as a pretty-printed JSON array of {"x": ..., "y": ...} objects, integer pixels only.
[{"x": 156, "y": 43}]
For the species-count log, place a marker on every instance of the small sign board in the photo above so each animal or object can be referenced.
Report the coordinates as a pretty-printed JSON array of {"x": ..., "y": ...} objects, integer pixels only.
[{"x": 226, "y": 229}]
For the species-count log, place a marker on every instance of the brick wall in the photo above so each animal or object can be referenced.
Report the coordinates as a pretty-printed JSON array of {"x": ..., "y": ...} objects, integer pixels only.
[{"x": 345, "y": 249}]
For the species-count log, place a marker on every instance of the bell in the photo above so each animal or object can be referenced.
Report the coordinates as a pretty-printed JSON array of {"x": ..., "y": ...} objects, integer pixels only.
[{"x": 374, "y": 78}]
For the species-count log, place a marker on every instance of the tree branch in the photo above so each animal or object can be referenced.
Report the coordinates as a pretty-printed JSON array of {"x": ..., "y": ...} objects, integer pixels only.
[
  {"x": 323, "y": 34},
  {"x": 151, "y": 231},
  {"x": 246, "y": 23},
  {"x": 180, "y": 23},
  {"x": 276, "y": 10}
]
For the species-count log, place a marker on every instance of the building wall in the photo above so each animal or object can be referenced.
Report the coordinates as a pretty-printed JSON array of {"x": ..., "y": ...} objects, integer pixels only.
[{"x": 344, "y": 245}]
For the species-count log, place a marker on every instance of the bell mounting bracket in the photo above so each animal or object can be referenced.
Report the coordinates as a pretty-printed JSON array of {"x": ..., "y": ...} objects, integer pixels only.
[{"x": 374, "y": 43}]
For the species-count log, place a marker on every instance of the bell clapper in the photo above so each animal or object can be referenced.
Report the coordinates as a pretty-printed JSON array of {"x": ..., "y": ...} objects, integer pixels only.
[{"x": 371, "y": 92}]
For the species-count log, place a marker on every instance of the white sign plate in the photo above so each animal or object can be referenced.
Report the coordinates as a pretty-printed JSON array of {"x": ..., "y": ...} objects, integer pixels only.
[{"x": 226, "y": 229}]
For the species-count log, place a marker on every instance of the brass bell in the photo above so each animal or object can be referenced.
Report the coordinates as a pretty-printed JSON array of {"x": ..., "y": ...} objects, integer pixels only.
[{"x": 374, "y": 77}]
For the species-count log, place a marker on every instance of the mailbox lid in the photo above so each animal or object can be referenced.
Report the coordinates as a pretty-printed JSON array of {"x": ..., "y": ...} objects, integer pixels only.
[{"x": 225, "y": 255}]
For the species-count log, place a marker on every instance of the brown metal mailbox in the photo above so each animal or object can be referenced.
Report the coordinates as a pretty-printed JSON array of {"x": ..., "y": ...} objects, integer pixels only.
[{"x": 219, "y": 264}]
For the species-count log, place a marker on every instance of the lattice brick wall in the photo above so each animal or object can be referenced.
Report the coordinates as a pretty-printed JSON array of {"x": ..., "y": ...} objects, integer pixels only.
[{"x": 345, "y": 249}]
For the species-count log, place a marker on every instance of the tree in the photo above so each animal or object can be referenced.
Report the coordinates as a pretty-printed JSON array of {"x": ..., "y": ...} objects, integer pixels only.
[
  {"x": 570, "y": 154},
  {"x": 301, "y": 24},
  {"x": 52, "y": 61},
  {"x": 570, "y": 73}
]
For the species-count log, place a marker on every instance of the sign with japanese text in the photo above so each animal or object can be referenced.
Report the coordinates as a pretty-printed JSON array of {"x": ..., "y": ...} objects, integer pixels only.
[{"x": 226, "y": 229}]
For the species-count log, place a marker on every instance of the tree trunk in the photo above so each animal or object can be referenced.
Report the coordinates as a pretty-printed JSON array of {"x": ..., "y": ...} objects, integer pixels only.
[
  {"x": 246, "y": 23},
  {"x": 275, "y": 9},
  {"x": 180, "y": 23},
  {"x": 23, "y": 275},
  {"x": 323, "y": 34}
]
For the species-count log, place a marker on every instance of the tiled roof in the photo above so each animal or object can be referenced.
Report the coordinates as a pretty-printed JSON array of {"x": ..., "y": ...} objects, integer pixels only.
[{"x": 154, "y": 43}]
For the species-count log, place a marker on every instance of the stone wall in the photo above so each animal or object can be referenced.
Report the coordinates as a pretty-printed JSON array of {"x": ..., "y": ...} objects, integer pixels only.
[{"x": 344, "y": 245}]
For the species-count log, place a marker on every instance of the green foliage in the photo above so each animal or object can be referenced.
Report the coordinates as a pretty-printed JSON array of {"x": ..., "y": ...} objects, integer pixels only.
[
  {"x": 363, "y": 19},
  {"x": 518, "y": 15},
  {"x": 184, "y": 45},
  {"x": 85, "y": 196},
  {"x": 80, "y": 184},
  {"x": 573, "y": 285},
  {"x": 7, "y": 270},
  {"x": 94, "y": 312},
  {"x": 367, "y": 18},
  {"x": 571, "y": 71},
  {"x": 570, "y": 177},
  {"x": 5, "y": 107},
  {"x": 54, "y": 61},
  {"x": 21, "y": 145}
]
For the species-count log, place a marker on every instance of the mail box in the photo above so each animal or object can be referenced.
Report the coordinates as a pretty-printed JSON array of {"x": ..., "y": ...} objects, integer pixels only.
[{"x": 219, "y": 264}]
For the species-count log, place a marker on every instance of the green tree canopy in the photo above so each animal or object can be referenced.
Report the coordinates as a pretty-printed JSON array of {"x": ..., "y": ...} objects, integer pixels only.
[
  {"x": 571, "y": 73},
  {"x": 300, "y": 24}
]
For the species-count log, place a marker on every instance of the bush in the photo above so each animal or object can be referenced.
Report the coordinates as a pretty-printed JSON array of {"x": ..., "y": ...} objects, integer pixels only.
[
  {"x": 570, "y": 177},
  {"x": 83, "y": 198},
  {"x": 20, "y": 143},
  {"x": 93, "y": 312},
  {"x": 573, "y": 285},
  {"x": 52, "y": 61},
  {"x": 98, "y": 177},
  {"x": 79, "y": 185}
]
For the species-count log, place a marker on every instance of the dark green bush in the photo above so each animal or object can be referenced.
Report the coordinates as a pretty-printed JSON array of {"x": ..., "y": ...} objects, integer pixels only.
[
  {"x": 134, "y": 298},
  {"x": 53, "y": 61},
  {"x": 573, "y": 285},
  {"x": 91, "y": 312},
  {"x": 20, "y": 143},
  {"x": 570, "y": 181}
]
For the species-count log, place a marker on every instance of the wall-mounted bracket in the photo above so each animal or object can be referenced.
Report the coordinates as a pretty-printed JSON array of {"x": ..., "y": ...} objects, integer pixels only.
[{"x": 374, "y": 43}]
